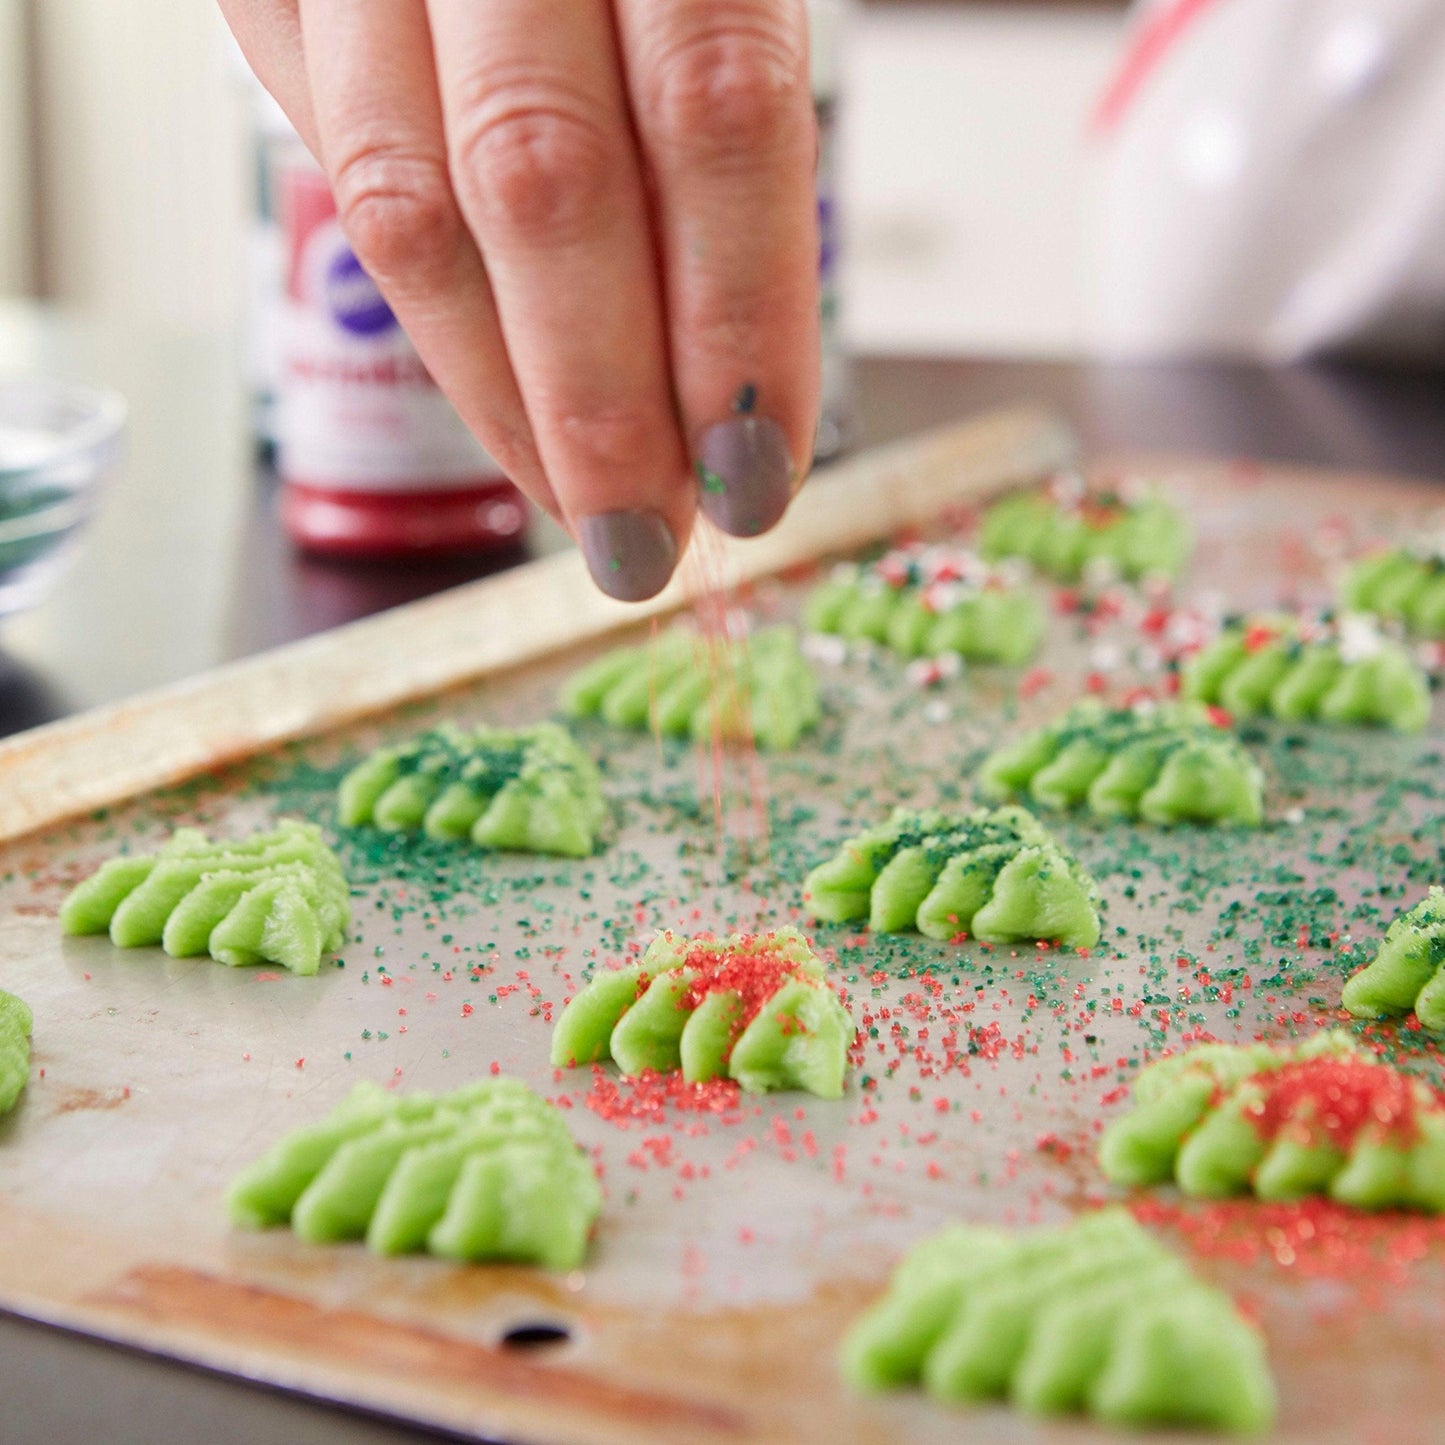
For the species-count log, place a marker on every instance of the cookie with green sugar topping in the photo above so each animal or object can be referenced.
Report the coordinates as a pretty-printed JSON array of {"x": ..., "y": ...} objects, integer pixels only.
[
  {"x": 925, "y": 601},
  {"x": 522, "y": 790},
  {"x": 277, "y": 897},
  {"x": 1311, "y": 670},
  {"x": 759, "y": 688},
  {"x": 997, "y": 875},
  {"x": 755, "y": 1008},
  {"x": 1094, "y": 1317},
  {"x": 15, "y": 1027},
  {"x": 1065, "y": 529},
  {"x": 1401, "y": 584},
  {"x": 1408, "y": 970},
  {"x": 1283, "y": 1122},
  {"x": 489, "y": 1172},
  {"x": 1157, "y": 763}
]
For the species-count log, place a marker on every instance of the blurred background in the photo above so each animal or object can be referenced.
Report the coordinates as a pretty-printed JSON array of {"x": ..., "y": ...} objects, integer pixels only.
[
  {"x": 127, "y": 166},
  {"x": 1167, "y": 220}
]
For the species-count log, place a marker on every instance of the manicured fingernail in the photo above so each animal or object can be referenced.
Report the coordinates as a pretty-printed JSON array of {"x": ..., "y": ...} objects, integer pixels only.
[
  {"x": 746, "y": 474},
  {"x": 630, "y": 554}
]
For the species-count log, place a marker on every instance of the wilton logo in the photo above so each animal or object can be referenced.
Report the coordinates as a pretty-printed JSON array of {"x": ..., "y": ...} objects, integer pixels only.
[{"x": 352, "y": 297}]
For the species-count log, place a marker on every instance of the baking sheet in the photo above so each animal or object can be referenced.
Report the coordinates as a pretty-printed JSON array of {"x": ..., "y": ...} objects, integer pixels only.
[{"x": 736, "y": 1243}]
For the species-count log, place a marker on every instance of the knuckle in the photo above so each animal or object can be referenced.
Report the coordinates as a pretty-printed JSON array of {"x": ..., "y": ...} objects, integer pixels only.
[
  {"x": 397, "y": 211},
  {"x": 532, "y": 163},
  {"x": 727, "y": 322},
  {"x": 609, "y": 437},
  {"x": 727, "y": 92}
]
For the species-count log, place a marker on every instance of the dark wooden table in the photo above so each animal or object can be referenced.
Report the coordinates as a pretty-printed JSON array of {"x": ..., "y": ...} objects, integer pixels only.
[{"x": 194, "y": 513}]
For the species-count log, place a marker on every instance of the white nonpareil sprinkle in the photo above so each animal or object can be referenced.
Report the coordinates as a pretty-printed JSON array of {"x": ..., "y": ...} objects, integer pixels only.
[
  {"x": 1294, "y": 816},
  {"x": 1106, "y": 656},
  {"x": 825, "y": 649},
  {"x": 1067, "y": 489},
  {"x": 1359, "y": 637},
  {"x": 1013, "y": 571},
  {"x": 936, "y": 711}
]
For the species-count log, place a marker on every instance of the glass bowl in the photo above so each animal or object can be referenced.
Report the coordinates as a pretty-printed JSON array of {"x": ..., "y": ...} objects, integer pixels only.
[{"x": 59, "y": 444}]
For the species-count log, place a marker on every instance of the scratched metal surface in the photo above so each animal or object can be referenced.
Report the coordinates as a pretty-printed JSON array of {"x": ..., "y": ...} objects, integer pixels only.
[{"x": 734, "y": 1249}]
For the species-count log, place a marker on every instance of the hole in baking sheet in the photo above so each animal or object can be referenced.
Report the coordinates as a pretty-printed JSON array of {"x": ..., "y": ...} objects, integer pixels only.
[{"x": 535, "y": 1335}]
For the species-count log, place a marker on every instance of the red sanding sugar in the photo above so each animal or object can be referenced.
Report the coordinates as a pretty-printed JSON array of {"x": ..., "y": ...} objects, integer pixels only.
[
  {"x": 1332, "y": 1100},
  {"x": 648, "y": 1097},
  {"x": 1314, "y": 1236},
  {"x": 754, "y": 969}
]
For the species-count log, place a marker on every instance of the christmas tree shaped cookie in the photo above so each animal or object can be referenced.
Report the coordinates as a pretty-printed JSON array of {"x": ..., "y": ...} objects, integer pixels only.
[
  {"x": 758, "y": 688},
  {"x": 1094, "y": 1317},
  {"x": 15, "y": 1026},
  {"x": 996, "y": 875},
  {"x": 1408, "y": 971},
  {"x": 1308, "y": 670},
  {"x": 524, "y": 790},
  {"x": 750, "y": 1007},
  {"x": 1165, "y": 763},
  {"x": 928, "y": 601},
  {"x": 1402, "y": 584},
  {"x": 1283, "y": 1122},
  {"x": 277, "y": 897},
  {"x": 489, "y": 1172},
  {"x": 1065, "y": 527}
]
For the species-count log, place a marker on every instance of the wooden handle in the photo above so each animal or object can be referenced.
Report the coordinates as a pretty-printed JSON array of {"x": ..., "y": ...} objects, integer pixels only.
[{"x": 175, "y": 732}]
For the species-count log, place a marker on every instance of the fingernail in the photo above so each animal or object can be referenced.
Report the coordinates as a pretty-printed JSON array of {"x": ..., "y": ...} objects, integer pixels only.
[
  {"x": 629, "y": 554},
  {"x": 746, "y": 474}
]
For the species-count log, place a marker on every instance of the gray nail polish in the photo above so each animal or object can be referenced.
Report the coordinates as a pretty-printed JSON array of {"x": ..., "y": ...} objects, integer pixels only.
[
  {"x": 746, "y": 474},
  {"x": 630, "y": 554}
]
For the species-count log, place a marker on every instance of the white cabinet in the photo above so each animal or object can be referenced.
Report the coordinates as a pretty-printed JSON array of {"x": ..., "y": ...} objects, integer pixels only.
[{"x": 964, "y": 159}]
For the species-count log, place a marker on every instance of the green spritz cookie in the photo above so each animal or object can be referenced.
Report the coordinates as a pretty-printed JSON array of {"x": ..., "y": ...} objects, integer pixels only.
[
  {"x": 1064, "y": 529},
  {"x": 996, "y": 875},
  {"x": 523, "y": 790},
  {"x": 1408, "y": 971},
  {"x": 1403, "y": 584},
  {"x": 1094, "y": 1317},
  {"x": 489, "y": 1172},
  {"x": 1311, "y": 671},
  {"x": 15, "y": 1025},
  {"x": 1164, "y": 763},
  {"x": 1320, "y": 1117},
  {"x": 750, "y": 1007},
  {"x": 758, "y": 688},
  {"x": 277, "y": 897},
  {"x": 927, "y": 601}
]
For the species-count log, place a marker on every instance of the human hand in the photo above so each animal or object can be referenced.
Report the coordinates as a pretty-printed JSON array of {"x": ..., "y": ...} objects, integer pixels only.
[{"x": 596, "y": 220}]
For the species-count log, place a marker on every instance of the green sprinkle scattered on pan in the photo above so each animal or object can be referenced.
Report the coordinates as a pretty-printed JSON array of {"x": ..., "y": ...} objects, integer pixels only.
[
  {"x": 489, "y": 1172},
  {"x": 996, "y": 875},
  {"x": 1094, "y": 1317},
  {"x": 1165, "y": 763},
  {"x": 683, "y": 684},
  {"x": 750, "y": 1007},
  {"x": 1283, "y": 1122},
  {"x": 1302, "y": 670},
  {"x": 277, "y": 897},
  {"x": 1408, "y": 971},
  {"x": 525, "y": 790},
  {"x": 928, "y": 601},
  {"x": 15, "y": 1027}
]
